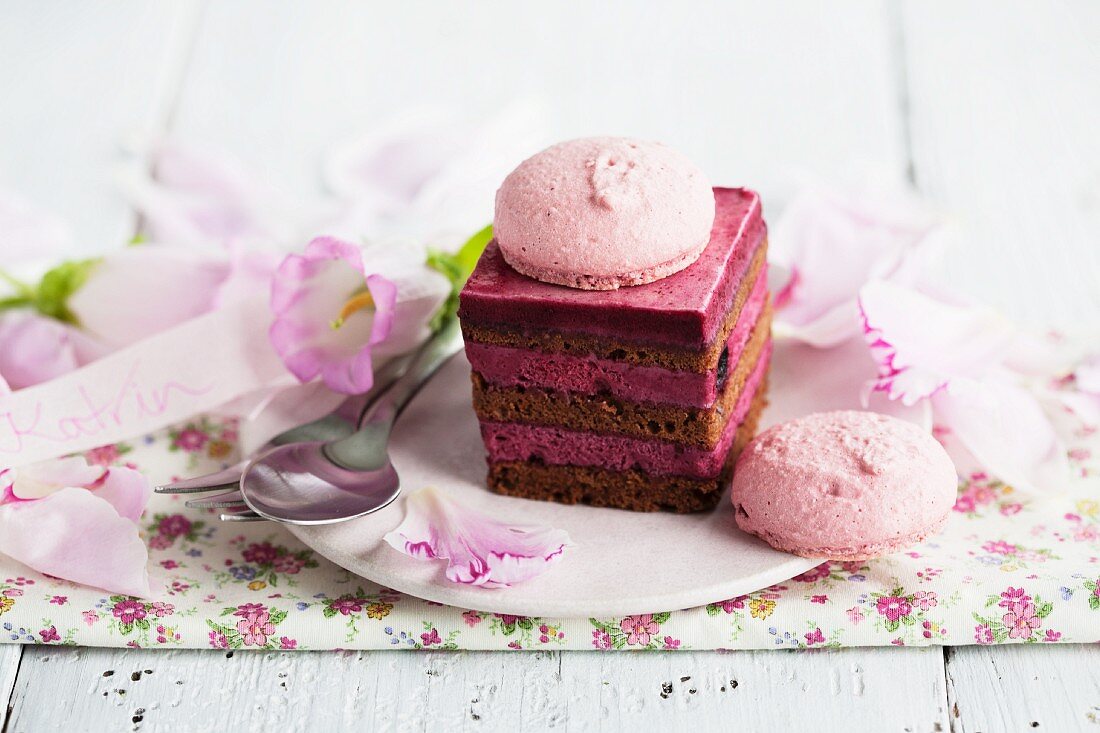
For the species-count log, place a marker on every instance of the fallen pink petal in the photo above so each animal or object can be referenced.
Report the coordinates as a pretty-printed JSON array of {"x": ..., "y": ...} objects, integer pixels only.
[
  {"x": 920, "y": 343},
  {"x": 479, "y": 550},
  {"x": 831, "y": 242},
  {"x": 76, "y": 521}
]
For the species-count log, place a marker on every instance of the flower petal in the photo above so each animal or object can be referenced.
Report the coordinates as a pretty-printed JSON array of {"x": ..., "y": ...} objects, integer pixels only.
[
  {"x": 36, "y": 349},
  {"x": 479, "y": 550},
  {"x": 920, "y": 343},
  {"x": 42, "y": 479},
  {"x": 833, "y": 241},
  {"x": 29, "y": 234},
  {"x": 1005, "y": 430},
  {"x": 127, "y": 490},
  {"x": 429, "y": 173},
  {"x": 194, "y": 197},
  {"x": 136, "y": 292},
  {"x": 73, "y": 534}
]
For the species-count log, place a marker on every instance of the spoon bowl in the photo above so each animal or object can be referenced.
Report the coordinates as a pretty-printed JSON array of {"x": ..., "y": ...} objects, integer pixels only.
[{"x": 300, "y": 484}]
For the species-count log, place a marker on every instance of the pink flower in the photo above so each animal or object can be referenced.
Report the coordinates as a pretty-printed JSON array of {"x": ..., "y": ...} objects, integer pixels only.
[
  {"x": 49, "y": 635},
  {"x": 255, "y": 628},
  {"x": 174, "y": 525},
  {"x": 814, "y": 574},
  {"x": 819, "y": 599},
  {"x": 92, "y": 515},
  {"x": 90, "y": 617},
  {"x": 833, "y": 241},
  {"x": 732, "y": 604},
  {"x": 328, "y": 315},
  {"x": 35, "y": 349},
  {"x": 1010, "y": 509},
  {"x": 263, "y": 553},
  {"x": 1011, "y": 596},
  {"x": 348, "y": 605},
  {"x": 893, "y": 607},
  {"x": 128, "y": 611},
  {"x": 601, "y": 639},
  {"x": 288, "y": 564},
  {"x": 247, "y": 609},
  {"x": 472, "y": 618},
  {"x": 161, "y": 609},
  {"x": 136, "y": 292},
  {"x": 218, "y": 640},
  {"x": 1021, "y": 620},
  {"x": 965, "y": 503},
  {"x": 670, "y": 643},
  {"x": 59, "y": 600},
  {"x": 925, "y": 599},
  {"x": 104, "y": 455},
  {"x": 1000, "y": 547},
  {"x": 169, "y": 564},
  {"x": 201, "y": 198},
  {"x": 479, "y": 549},
  {"x": 191, "y": 440},
  {"x": 639, "y": 629},
  {"x": 286, "y": 642},
  {"x": 855, "y": 615},
  {"x": 160, "y": 542},
  {"x": 815, "y": 637},
  {"x": 28, "y": 232},
  {"x": 431, "y": 637}
]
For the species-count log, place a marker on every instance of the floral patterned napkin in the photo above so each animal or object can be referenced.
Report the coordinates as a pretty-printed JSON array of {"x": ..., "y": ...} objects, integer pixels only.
[{"x": 1007, "y": 569}]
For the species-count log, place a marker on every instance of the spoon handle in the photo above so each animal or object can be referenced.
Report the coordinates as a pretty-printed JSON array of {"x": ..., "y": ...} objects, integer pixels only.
[{"x": 366, "y": 448}]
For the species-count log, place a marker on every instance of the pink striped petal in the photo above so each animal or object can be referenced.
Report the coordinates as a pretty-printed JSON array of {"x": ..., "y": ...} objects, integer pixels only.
[
  {"x": 920, "y": 343},
  {"x": 479, "y": 550}
]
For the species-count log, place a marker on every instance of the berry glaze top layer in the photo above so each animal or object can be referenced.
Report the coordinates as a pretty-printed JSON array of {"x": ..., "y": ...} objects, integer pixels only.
[{"x": 684, "y": 310}]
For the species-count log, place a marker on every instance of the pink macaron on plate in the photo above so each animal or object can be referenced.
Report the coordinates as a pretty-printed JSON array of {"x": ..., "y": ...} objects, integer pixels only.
[{"x": 621, "y": 562}]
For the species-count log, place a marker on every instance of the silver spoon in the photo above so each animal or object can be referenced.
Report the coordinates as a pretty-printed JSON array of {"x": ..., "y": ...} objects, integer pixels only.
[{"x": 326, "y": 482}]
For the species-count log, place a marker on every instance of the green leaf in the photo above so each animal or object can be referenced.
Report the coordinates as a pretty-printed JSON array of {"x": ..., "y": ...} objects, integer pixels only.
[
  {"x": 457, "y": 268},
  {"x": 277, "y": 616},
  {"x": 892, "y": 625},
  {"x": 1094, "y": 602},
  {"x": 712, "y": 610},
  {"x": 51, "y": 297},
  {"x": 329, "y": 612},
  {"x": 662, "y": 617}
]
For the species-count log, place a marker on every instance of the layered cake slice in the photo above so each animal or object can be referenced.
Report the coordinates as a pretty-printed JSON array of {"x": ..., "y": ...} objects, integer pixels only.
[{"x": 640, "y": 394}]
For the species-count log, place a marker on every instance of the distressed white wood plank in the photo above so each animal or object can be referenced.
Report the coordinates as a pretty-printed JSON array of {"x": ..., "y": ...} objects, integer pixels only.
[
  {"x": 1023, "y": 688},
  {"x": 10, "y": 655},
  {"x": 1005, "y": 106},
  {"x": 750, "y": 90},
  {"x": 479, "y": 691},
  {"x": 77, "y": 82}
]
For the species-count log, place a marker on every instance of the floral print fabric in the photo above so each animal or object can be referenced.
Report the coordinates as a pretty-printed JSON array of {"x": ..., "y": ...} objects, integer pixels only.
[{"x": 1008, "y": 569}]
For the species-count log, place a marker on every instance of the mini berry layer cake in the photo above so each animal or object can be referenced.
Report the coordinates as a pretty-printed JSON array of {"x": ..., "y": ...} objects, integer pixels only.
[{"x": 636, "y": 397}]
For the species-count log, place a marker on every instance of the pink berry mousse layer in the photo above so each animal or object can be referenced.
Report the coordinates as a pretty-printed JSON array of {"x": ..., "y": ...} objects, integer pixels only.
[
  {"x": 588, "y": 374},
  {"x": 560, "y": 446},
  {"x": 843, "y": 485},
  {"x": 684, "y": 310},
  {"x": 599, "y": 213}
]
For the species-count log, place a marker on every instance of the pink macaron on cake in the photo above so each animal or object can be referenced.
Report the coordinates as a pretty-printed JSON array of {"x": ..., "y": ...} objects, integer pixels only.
[
  {"x": 618, "y": 327},
  {"x": 843, "y": 485}
]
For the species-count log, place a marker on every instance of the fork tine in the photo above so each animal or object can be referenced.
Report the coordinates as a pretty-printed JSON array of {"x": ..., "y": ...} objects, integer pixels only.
[
  {"x": 224, "y": 479},
  {"x": 242, "y": 517},
  {"x": 218, "y": 501}
]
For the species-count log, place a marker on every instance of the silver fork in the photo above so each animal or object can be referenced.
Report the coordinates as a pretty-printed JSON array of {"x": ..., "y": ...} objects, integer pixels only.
[{"x": 329, "y": 427}]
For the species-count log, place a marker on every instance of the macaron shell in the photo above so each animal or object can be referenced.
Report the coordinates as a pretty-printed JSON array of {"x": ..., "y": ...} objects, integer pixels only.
[
  {"x": 601, "y": 213},
  {"x": 843, "y": 485}
]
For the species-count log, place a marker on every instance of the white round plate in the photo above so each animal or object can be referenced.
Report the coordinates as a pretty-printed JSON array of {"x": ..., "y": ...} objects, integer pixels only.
[{"x": 621, "y": 562}]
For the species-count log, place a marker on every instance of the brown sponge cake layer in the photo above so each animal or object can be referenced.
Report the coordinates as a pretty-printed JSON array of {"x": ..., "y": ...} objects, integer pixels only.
[
  {"x": 634, "y": 489},
  {"x": 577, "y": 343},
  {"x": 604, "y": 413}
]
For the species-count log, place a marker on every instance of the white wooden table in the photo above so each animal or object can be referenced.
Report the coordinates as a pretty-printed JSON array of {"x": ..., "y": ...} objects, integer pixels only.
[{"x": 990, "y": 108}]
